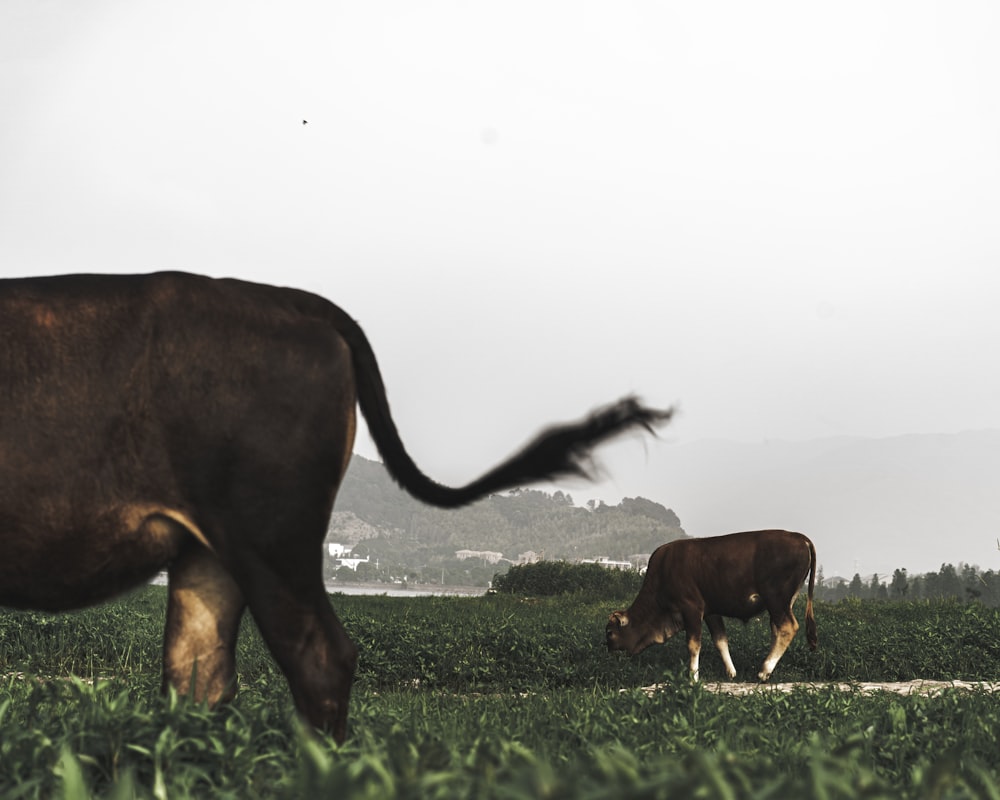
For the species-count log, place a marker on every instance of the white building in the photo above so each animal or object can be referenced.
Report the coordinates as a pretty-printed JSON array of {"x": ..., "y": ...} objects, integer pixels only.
[
  {"x": 489, "y": 556},
  {"x": 350, "y": 563},
  {"x": 604, "y": 561},
  {"x": 341, "y": 555}
]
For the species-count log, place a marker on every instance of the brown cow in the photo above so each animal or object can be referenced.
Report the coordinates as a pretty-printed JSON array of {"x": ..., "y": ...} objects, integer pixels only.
[
  {"x": 740, "y": 575},
  {"x": 171, "y": 420}
]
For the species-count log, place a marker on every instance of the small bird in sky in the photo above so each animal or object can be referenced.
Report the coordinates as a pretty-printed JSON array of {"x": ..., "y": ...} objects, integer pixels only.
[{"x": 305, "y": 122}]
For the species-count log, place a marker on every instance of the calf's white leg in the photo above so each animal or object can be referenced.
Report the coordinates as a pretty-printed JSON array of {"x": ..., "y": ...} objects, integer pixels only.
[{"x": 718, "y": 629}]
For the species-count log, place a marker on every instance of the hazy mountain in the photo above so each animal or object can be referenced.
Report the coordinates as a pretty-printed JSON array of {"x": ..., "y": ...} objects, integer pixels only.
[
  {"x": 370, "y": 508},
  {"x": 870, "y": 505}
]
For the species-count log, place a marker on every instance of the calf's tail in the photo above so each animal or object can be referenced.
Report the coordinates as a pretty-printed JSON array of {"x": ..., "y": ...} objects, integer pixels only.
[
  {"x": 811, "y": 636},
  {"x": 559, "y": 451}
]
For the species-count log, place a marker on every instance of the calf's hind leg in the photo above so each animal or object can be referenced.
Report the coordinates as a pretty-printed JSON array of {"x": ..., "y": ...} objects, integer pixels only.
[
  {"x": 783, "y": 628},
  {"x": 204, "y": 607},
  {"x": 718, "y": 630}
]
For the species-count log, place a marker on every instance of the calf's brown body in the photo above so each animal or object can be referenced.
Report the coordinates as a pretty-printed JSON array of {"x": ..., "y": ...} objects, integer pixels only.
[{"x": 739, "y": 575}]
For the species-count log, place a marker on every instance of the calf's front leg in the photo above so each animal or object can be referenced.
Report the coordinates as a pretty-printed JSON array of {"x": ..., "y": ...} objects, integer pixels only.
[{"x": 692, "y": 625}]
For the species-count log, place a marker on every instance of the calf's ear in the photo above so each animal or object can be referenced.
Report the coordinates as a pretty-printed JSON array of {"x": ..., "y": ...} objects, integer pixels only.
[{"x": 620, "y": 618}]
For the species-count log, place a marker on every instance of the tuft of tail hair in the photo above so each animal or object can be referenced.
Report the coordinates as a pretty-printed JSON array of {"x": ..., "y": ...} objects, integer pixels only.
[{"x": 811, "y": 636}]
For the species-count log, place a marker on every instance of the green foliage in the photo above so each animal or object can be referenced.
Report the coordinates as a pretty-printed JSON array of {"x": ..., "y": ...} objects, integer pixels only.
[
  {"x": 684, "y": 742},
  {"x": 550, "y": 578},
  {"x": 502, "y": 696}
]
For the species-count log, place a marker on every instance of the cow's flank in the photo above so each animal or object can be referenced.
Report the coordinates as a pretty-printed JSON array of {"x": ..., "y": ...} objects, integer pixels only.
[
  {"x": 202, "y": 425},
  {"x": 739, "y": 575}
]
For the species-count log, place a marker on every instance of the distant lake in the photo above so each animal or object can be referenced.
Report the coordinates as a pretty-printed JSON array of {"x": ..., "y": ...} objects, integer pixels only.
[
  {"x": 396, "y": 590},
  {"x": 388, "y": 589}
]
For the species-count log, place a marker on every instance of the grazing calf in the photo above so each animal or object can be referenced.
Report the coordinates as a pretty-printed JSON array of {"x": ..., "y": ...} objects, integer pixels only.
[
  {"x": 171, "y": 420},
  {"x": 740, "y": 575}
]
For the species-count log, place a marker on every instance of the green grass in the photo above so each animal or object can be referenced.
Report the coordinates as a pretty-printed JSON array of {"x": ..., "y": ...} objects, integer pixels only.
[{"x": 497, "y": 697}]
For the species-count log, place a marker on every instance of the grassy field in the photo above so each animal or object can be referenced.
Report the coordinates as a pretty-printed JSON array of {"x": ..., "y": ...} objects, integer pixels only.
[{"x": 508, "y": 698}]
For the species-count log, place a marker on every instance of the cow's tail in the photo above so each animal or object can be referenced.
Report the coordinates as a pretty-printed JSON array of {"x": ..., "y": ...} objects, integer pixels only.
[
  {"x": 811, "y": 636},
  {"x": 559, "y": 451}
]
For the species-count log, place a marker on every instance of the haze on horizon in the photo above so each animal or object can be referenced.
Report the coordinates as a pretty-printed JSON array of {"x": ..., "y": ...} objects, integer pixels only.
[{"x": 781, "y": 218}]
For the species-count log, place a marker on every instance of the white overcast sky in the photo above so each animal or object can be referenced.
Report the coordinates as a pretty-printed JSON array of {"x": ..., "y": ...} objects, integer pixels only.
[{"x": 784, "y": 217}]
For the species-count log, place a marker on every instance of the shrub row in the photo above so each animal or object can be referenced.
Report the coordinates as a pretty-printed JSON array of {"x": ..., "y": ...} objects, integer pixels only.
[{"x": 553, "y": 578}]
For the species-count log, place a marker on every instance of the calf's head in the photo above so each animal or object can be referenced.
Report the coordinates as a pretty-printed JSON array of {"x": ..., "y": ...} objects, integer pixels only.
[
  {"x": 622, "y": 633},
  {"x": 618, "y": 634}
]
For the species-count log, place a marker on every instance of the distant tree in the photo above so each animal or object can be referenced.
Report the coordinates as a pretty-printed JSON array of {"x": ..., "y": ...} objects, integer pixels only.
[
  {"x": 877, "y": 590},
  {"x": 972, "y": 583},
  {"x": 856, "y": 588},
  {"x": 346, "y": 575},
  {"x": 991, "y": 588},
  {"x": 640, "y": 506},
  {"x": 899, "y": 586},
  {"x": 949, "y": 584}
]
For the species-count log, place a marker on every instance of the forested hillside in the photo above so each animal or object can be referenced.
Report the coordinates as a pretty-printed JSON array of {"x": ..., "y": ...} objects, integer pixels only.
[{"x": 410, "y": 539}]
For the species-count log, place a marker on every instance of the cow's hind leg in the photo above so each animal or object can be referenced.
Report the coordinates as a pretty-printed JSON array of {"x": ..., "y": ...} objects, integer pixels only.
[
  {"x": 203, "y": 619},
  {"x": 783, "y": 628},
  {"x": 307, "y": 641},
  {"x": 718, "y": 630}
]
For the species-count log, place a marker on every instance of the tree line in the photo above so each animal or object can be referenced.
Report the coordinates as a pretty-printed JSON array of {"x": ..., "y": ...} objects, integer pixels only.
[{"x": 964, "y": 582}]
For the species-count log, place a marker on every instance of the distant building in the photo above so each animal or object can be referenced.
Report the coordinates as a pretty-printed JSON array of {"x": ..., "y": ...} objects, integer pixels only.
[
  {"x": 607, "y": 563},
  {"x": 529, "y": 557},
  {"x": 639, "y": 561},
  {"x": 489, "y": 556},
  {"x": 350, "y": 563},
  {"x": 341, "y": 555}
]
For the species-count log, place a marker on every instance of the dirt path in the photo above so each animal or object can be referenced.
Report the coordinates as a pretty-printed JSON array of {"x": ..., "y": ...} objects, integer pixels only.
[{"x": 865, "y": 687}]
